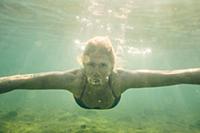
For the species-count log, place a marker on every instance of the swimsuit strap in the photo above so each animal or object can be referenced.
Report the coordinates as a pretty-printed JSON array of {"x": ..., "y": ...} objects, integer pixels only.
[
  {"x": 78, "y": 100},
  {"x": 110, "y": 85},
  {"x": 84, "y": 87},
  {"x": 117, "y": 98}
]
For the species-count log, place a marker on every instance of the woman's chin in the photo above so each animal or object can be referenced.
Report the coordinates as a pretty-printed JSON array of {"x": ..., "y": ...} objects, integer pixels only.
[{"x": 95, "y": 82}]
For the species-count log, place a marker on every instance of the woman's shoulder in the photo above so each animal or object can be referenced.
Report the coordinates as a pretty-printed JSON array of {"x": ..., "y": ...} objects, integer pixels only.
[
  {"x": 77, "y": 80},
  {"x": 118, "y": 74},
  {"x": 116, "y": 81},
  {"x": 119, "y": 77}
]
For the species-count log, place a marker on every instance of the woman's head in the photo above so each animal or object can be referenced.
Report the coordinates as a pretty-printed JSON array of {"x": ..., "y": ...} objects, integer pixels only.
[{"x": 98, "y": 60}]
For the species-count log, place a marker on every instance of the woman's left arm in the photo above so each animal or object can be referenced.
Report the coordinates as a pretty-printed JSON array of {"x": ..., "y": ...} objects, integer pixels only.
[{"x": 156, "y": 78}]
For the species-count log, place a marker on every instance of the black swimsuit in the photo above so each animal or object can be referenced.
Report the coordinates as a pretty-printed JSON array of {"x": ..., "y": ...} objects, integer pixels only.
[{"x": 80, "y": 102}]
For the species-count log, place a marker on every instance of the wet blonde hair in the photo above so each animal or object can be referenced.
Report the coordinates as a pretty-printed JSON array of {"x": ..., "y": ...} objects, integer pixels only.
[{"x": 99, "y": 44}]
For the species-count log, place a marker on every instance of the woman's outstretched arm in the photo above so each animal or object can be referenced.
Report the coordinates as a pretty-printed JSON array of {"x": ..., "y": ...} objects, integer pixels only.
[
  {"x": 157, "y": 78},
  {"x": 49, "y": 80}
]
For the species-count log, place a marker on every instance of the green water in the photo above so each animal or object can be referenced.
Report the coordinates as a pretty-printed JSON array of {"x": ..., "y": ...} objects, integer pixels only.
[{"x": 40, "y": 36}]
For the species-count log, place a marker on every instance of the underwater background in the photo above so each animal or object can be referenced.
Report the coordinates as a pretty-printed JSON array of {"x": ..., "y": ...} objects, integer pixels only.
[{"x": 48, "y": 35}]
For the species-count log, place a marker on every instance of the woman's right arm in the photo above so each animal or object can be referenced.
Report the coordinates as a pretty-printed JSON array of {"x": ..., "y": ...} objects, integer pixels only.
[{"x": 50, "y": 80}]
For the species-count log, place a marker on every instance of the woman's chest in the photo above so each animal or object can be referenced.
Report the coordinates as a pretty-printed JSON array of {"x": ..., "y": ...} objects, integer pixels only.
[{"x": 98, "y": 97}]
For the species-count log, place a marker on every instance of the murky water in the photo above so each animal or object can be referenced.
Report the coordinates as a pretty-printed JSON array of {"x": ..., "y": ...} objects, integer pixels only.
[{"x": 40, "y": 36}]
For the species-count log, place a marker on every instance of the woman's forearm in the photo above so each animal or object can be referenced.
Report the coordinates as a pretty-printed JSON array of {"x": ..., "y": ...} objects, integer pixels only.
[
  {"x": 66, "y": 80},
  {"x": 10, "y": 83},
  {"x": 4, "y": 86},
  {"x": 174, "y": 77},
  {"x": 188, "y": 76},
  {"x": 157, "y": 78},
  {"x": 28, "y": 81}
]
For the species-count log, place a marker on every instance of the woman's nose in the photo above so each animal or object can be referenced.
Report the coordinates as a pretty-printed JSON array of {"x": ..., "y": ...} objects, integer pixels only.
[
  {"x": 96, "y": 70},
  {"x": 95, "y": 67}
]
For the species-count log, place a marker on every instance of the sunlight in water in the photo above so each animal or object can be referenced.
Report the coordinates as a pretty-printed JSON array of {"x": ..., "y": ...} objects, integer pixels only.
[
  {"x": 99, "y": 17},
  {"x": 121, "y": 50},
  {"x": 79, "y": 45},
  {"x": 93, "y": 20}
]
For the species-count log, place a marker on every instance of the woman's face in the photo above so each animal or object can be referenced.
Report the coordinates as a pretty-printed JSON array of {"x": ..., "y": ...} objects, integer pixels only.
[{"x": 97, "y": 67}]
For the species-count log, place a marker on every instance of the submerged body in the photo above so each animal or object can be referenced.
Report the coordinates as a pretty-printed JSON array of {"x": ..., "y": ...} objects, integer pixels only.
[
  {"x": 99, "y": 96},
  {"x": 99, "y": 84}
]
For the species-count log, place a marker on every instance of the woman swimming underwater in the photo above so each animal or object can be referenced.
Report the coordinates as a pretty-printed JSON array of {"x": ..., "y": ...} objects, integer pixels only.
[{"x": 99, "y": 84}]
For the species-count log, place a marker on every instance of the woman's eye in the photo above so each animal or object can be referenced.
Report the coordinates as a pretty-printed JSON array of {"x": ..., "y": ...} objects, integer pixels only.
[
  {"x": 90, "y": 64},
  {"x": 103, "y": 65}
]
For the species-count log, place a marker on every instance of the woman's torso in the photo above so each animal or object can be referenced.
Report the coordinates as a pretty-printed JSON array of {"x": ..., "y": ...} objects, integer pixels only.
[{"x": 98, "y": 97}]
